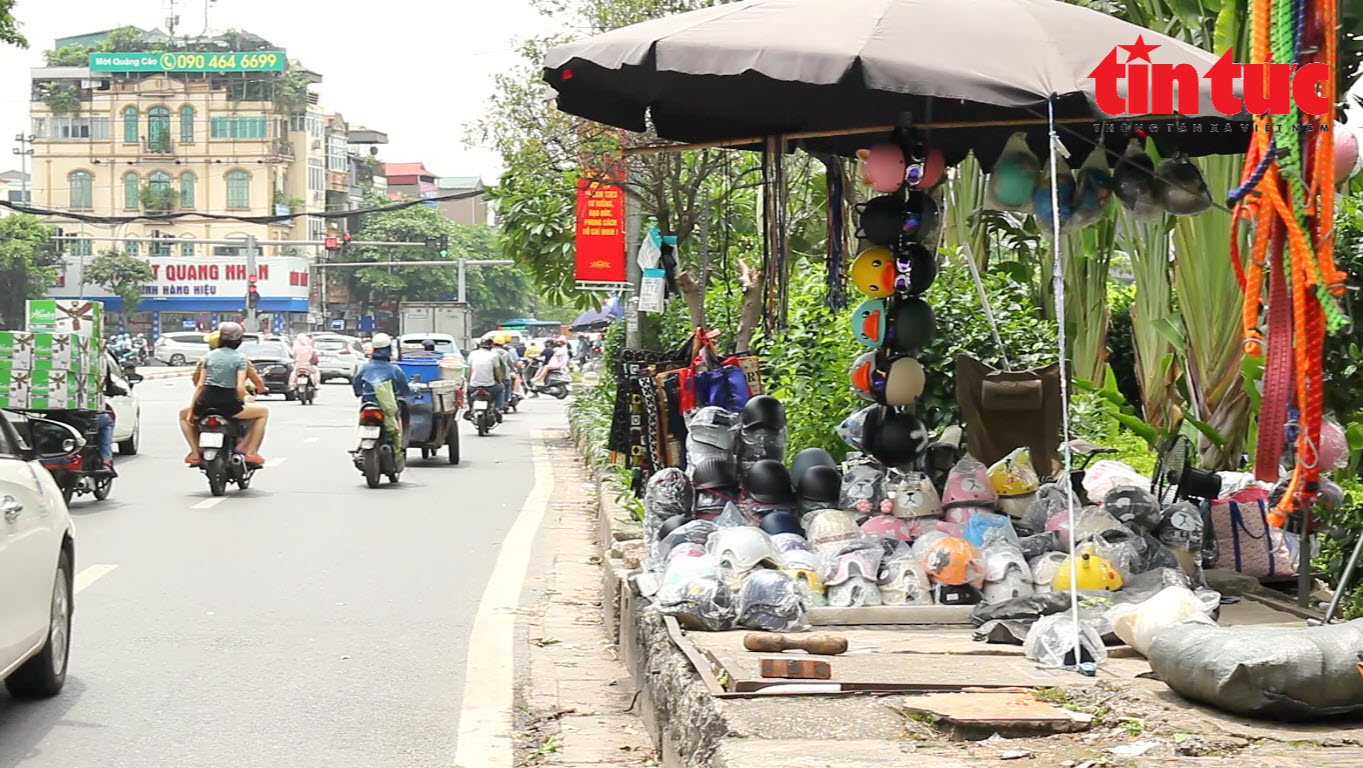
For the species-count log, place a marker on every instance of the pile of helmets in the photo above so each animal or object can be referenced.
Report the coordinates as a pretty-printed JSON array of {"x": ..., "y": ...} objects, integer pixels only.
[{"x": 894, "y": 323}]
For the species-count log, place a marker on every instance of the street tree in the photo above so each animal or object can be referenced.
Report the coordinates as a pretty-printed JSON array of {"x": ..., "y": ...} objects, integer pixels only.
[
  {"x": 123, "y": 274},
  {"x": 9, "y": 26},
  {"x": 28, "y": 266}
]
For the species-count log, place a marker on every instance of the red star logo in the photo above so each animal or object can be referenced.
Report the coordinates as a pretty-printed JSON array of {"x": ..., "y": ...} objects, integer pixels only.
[{"x": 1138, "y": 49}]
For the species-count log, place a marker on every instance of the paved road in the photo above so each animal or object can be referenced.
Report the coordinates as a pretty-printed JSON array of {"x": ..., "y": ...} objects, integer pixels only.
[{"x": 306, "y": 622}]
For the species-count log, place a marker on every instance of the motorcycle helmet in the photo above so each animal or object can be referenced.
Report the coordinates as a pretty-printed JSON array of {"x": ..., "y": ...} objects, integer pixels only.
[
  {"x": 856, "y": 592},
  {"x": 763, "y": 411},
  {"x": 954, "y": 561},
  {"x": 681, "y": 569},
  {"x": 894, "y": 438},
  {"x": 1044, "y": 569},
  {"x": 808, "y": 583},
  {"x": 1093, "y": 188},
  {"x": 1182, "y": 190},
  {"x": 866, "y": 377},
  {"x": 904, "y": 581},
  {"x": 916, "y": 267},
  {"x": 883, "y": 167},
  {"x": 1181, "y": 527},
  {"x": 1088, "y": 523},
  {"x": 904, "y": 382},
  {"x": 830, "y": 529},
  {"x": 882, "y": 219},
  {"x": 860, "y": 558},
  {"x": 705, "y": 603},
  {"x": 873, "y": 272},
  {"x": 781, "y": 522},
  {"x": 809, "y": 457},
  {"x": 711, "y": 504},
  {"x": 820, "y": 485},
  {"x": 1346, "y": 152},
  {"x": 742, "y": 549},
  {"x": 769, "y": 600},
  {"x": 1006, "y": 576},
  {"x": 862, "y": 488},
  {"x": 925, "y": 167},
  {"x": 887, "y": 527},
  {"x": 1012, "y": 182},
  {"x": 850, "y": 431},
  {"x": 713, "y": 472},
  {"x": 968, "y": 485},
  {"x": 671, "y": 524},
  {"x": 1133, "y": 507},
  {"x": 920, "y": 218},
  {"x": 868, "y": 322},
  {"x": 686, "y": 549},
  {"x": 988, "y": 529},
  {"x": 1133, "y": 181},
  {"x": 955, "y": 594},
  {"x": 694, "y": 531},
  {"x": 668, "y": 493},
  {"x": 710, "y": 431},
  {"x": 1013, "y": 474},
  {"x": 915, "y": 496},
  {"x": 768, "y": 482},
  {"x": 782, "y": 543},
  {"x": 1064, "y": 195},
  {"x": 912, "y": 325},
  {"x": 1092, "y": 571}
]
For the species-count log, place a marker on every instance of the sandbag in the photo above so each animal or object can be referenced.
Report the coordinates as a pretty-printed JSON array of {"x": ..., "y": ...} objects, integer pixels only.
[
  {"x": 1138, "y": 624},
  {"x": 1281, "y": 673}
]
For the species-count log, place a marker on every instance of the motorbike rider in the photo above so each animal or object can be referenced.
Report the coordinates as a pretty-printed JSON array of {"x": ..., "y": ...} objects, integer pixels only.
[
  {"x": 558, "y": 361},
  {"x": 220, "y": 385},
  {"x": 509, "y": 358},
  {"x": 104, "y": 422},
  {"x": 379, "y": 369},
  {"x": 305, "y": 358},
  {"x": 486, "y": 371}
]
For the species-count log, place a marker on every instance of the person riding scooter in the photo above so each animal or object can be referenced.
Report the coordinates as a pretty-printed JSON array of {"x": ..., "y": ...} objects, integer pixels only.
[
  {"x": 220, "y": 386},
  {"x": 486, "y": 371},
  {"x": 305, "y": 358}
]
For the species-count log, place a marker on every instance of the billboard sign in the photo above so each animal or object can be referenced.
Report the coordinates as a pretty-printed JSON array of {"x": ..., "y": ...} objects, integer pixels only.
[
  {"x": 189, "y": 61},
  {"x": 600, "y": 237}
]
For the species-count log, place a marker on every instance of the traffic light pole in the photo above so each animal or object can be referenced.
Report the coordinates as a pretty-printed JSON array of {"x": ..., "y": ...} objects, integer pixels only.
[{"x": 252, "y": 311}]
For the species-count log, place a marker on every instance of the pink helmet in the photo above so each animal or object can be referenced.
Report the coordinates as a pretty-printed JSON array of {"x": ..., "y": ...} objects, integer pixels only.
[
  {"x": 1346, "y": 151},
  {"x": 925, "y": 172},
  {"x": 887, "y": 527},
  {"x": 968, "y": 485},
  {"x": 883, "y": 167}
]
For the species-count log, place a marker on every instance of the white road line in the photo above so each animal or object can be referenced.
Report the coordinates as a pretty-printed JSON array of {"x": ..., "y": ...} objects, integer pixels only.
[
  {"x": 90, "y": 575},
  {"x": 485, "y": 713},
  {"x": 210, "y": 503},
  {"x": 276, "y": 461}
]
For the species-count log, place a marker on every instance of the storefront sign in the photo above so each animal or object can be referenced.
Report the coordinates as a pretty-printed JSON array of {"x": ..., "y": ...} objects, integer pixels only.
[
  {"x": 188, "y": 61},
  {"x": 600, "y": 239},
  {"x": 204, "y": 284}
]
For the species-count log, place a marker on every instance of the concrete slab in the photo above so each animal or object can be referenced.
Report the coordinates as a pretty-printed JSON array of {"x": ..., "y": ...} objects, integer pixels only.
[{"x": 798, "y": 753}]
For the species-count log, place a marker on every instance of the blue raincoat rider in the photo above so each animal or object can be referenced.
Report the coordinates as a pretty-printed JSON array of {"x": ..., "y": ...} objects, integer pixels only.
[{"x": 379, "y": 369}]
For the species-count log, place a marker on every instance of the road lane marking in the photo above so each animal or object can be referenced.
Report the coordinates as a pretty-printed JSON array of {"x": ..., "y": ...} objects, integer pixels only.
[
  {"x": 485, "y": 712},
  {"x": 276, "y": 461},
  {"x": 90, "y": 575},
  {"x": 210, "y": 503}
]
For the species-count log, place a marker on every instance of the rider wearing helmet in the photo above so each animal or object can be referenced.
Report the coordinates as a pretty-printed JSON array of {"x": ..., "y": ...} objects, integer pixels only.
[
  {"x": 379, "y": 369},
  {"x": 220, "y": 385},
  {"x": 486, "y": 371},
  {"x": 509, "y": 358}
]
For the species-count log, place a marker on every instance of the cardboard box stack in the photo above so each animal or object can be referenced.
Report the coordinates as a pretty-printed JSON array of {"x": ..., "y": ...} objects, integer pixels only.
[{"x": 54, "y": 363}]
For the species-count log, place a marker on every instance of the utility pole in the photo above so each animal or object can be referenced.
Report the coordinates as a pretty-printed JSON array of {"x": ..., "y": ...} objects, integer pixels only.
[
  {"x": 633, "y": 273},
  {"x": 24, "y": 151},
  {"x": 252, "y": 323}
]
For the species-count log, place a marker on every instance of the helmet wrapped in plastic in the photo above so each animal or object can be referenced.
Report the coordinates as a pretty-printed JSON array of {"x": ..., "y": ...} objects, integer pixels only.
[
  {"x": 681, "y": 569},
  {"x": 914, "y": 496},
  {"x": 887, "y": 527},
  {"x": 989, "y": 530},
  {"x": 1182, "y": 190},
  {"x": 894, "y": 438},
  {"x": 799, "y": 560},
  {"x": 951, "y": 560},
  {"x": 856, "y": 592},
  {"x": 1133, "y": 181},
  {"x": 1093, "y": 572},
  {"x": 711, "y": 431},
  {"x": 820, "y": 487},
  {"x": 968, "y": 485},
  {"x": 1044, "y": 569},
  {"x": 781, "y": 522},
  {"x": 809, "y": 584},
  {"x": 694, "y": 531},
  {"x": 742, "y": 549},
  {"x": 704, "y": 603},
  {"x": 770, "y": 600},
  {"x": 768, "y": 481},
  {"x": 686, "y": 549},
  {"x": 668, "y": 492},
  {"x": 852, "y": 428},
  {"x": 1013, "y": 179},
  {"x": 1007, "y": 576},
  {"x": 862, "y": 487},
  {"x": 1133, "y": 507},
  {"x": 715, "y": 472},
  {"x": 711, "y": 503},
  {"x": 904, "y": 581},
  {"x": 1050, "y": 642},
  {"x": 830, "y": 529}
]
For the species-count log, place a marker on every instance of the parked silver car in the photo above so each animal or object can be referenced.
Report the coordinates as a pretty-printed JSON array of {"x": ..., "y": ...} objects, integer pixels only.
[
  {"x": 180, "y": 347},
  {"x": 338, "y": 357}
]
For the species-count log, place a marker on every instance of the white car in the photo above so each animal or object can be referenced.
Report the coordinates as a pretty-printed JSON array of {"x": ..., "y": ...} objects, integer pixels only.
[
  {"x": 127, "y": 415},
  {"x": 338, "y": 357},
  {"x": 37, "y": 566},
  {"x": 180, "y": 347}
]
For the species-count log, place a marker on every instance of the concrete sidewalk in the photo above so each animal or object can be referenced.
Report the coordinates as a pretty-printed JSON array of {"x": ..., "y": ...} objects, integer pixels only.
[{"x": 154, "y": 372}]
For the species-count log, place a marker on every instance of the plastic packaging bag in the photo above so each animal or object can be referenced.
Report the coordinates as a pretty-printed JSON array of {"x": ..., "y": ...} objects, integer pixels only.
[
  {"x": 1182, "y": 190},
  {"x": 990, "y": 530},
  {"x": 1133, "y": 181},
  {"x": 852, "y": 428},
  {"x": 1106, "y": 474},
  {"x": 711, "y": 431},
  {"x": 1050, "y": 499},
  {"x": 954, "y": 562},
  {"x": 758, "y": 443},
  {"x": 903, "y": 581},
  {"x": 1064, "y": 195},
  {"x": 1133, "y": 507},
  {"x": 913, "y": 495},
  {"x": 770, "y": 601},
  {"x": 863, "y": 488},
  {"x": 1093, "y": 189},
  {"x": 668, "y": 493},
  {"x": 1137, "y": 624},
  {"x": 1050, "y": 642},
  {"x": 1012, "y": 181},
  {"x": 968, "y": 485},
  {"x": 704, "y": 603},
  {"x": 731, "y": 517}
]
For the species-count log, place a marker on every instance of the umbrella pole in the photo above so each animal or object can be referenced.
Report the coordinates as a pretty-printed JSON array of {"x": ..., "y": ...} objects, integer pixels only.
[{"x": 1058, "y": 288}]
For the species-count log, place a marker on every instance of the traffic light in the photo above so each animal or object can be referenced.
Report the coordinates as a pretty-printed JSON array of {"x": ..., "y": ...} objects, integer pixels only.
[
  {"x": 444, "y": 246},
  {"x": 252, "y": 293},
  {"x": 332, "y": 244}
]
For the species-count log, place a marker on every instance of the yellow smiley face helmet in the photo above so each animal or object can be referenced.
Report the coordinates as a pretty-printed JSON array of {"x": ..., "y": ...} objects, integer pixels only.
[
  {"x": 214, "y": 340},
  {"x": 1092, "y": 572},
  {"x": 873, "y": 272}
]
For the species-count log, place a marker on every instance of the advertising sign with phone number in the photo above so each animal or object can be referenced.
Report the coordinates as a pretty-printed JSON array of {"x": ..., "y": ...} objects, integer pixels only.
[{"x": 189, "y": 61}]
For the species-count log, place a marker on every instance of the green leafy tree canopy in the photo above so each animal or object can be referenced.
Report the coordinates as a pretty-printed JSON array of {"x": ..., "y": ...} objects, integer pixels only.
[
  {"x": 28, "y": 267},
  {"x": 123, "y": 274}
]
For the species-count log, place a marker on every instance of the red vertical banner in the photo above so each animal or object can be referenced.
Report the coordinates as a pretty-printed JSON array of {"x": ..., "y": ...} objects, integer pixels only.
[{"x": 600, "y": 239}]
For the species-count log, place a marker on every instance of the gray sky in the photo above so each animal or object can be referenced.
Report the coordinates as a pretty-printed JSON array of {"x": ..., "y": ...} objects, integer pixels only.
[{"x": 417, "y": 69}]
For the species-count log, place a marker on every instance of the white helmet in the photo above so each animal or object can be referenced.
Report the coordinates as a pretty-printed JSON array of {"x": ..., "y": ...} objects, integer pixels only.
[
  {"x": 381, "y": 340},
  {"x": 904, "y": 581},
  {"x": 1006, "y": 576},
  {"x": 742, "y": 549},
  {"x": 829, "y": 529},
  {"x": 1044, "y": 569}
]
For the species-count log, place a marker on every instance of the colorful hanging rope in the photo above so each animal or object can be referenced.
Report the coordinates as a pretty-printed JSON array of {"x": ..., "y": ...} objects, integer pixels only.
[{"x": 1287, "y": 188}]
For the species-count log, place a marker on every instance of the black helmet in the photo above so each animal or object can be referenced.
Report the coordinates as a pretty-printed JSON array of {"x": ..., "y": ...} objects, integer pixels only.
[
  {"x": 958, "y": 594},
  {"x": 768, "y": 482},
  {"x": 895, "y": 439},
  {"x": 809, "y": 457},
  {"x": 922, "y": 267},
  {"x": 912, "y": 325},
  {"x": 764, "y": 411},
  {"x": 882, "y": 219},
  {"x": 920, "y": 217},
  {"x": 821, "y": 484},
  {"x": 781, "y": 521},
  {"x": 671, "y": 524},
  {"x": 715, "y": 472}
]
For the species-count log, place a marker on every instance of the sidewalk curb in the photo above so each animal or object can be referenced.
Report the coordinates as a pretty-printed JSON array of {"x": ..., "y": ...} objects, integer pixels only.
[{"x": 166, "y": 375}]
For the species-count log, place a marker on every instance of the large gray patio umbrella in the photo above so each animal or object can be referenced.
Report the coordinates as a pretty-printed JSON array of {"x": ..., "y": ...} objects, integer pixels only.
[{"x": 766, "y": 67}]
